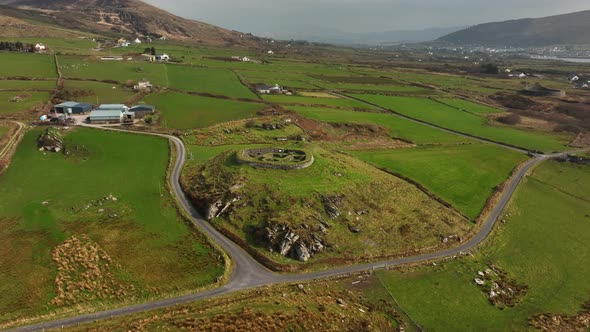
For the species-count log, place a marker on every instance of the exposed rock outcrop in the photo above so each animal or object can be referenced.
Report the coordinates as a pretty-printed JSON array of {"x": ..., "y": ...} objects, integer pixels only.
[
  {"x": 332, "y": 205},
  {"x": 301, "y": 243},
  {"x": 51, "y": 140}
]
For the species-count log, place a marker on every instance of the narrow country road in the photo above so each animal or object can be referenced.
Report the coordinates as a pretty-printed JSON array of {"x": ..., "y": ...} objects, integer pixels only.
[
  {"x": 248, "y": 273},
  {"x": 13, "y": 140}
]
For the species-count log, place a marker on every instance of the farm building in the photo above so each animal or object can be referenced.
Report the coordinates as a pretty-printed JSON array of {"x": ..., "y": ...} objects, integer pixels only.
[
  {"x": 105, "y": 117},
  {"x": 71, "y": 107},
  {"x": 110, "y": 116},
  {"x": 142, "y": 110},
  {"x": 113, "y": 107}
]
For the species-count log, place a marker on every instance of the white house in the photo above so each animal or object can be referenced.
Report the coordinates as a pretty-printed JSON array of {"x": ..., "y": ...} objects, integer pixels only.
[
  {"x": 271, "y": 52},
  {"x": 40, "y": 47},
  {"x": 125, "y": 44},
  {"x": 522, "y": 75},
  {"x": 162, "y": 57},
  {"x": 137, "y": 41},
  {"x": 143, "y": 85},
  {"x": 246, "y": 59},
  {"x": 575, "y": 78}
]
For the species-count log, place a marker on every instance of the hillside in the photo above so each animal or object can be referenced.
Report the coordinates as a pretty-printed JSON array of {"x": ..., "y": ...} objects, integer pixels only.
[
  {"x": 128, "y": 17},
  {"x": 568, "y": 29}
]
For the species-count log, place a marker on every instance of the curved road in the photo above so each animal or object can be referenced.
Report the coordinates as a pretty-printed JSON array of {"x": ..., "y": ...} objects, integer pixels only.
[{"x": 248, "y": 273}]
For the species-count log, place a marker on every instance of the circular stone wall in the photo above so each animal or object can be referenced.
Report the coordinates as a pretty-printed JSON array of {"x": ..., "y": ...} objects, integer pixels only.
[{"x": 275, "y": 158}]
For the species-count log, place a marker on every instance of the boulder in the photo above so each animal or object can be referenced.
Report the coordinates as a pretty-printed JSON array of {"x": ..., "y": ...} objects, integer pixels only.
[{"x": 300, "y": 252}]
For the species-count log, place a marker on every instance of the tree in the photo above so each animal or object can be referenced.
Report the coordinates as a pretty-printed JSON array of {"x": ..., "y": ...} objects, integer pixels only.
[{"x": 490, "y": 68}]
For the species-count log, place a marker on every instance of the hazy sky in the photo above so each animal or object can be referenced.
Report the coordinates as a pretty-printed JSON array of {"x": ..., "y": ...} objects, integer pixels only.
[{"x": 263, "y": 16}]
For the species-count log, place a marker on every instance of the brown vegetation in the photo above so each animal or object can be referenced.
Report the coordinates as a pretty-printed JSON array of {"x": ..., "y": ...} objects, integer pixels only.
[
  {"x": 86, "y": 273},
  {"x": 563, "y": 323}
]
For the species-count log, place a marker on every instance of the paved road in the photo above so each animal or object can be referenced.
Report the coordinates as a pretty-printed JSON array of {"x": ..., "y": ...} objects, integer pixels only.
[{"x": 248, "y": 273}]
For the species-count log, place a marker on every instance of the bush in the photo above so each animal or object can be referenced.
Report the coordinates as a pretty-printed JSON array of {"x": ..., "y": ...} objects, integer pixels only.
[{"x": 511, "y": 119}]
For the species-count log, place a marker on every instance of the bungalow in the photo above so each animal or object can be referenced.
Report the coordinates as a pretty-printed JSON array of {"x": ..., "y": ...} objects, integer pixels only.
[
  {"x": 162, "y": 57},
  {"x": 71, "y": 107},
  {"x": 137, "y": 41},
  {"x": 271, "y": 52},
  {"x": 142, "y": 110},
  {"x": 263, "y": 88},
  {"x": 40, "y": 47}
]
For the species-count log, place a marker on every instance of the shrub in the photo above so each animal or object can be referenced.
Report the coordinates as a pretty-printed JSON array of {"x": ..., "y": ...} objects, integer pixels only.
[{"x": 511, "y": 119}]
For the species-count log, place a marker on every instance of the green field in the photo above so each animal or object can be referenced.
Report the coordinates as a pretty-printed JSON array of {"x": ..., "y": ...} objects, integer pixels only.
[
  {"x": 98, "y": 93},
  {"x": 464, "y": 175},
  {"x": 120, "y": 71},
  {"x": 26, "y": 65},
  {"x": 150, "y": 246},
  {"x": 545, "y": 245},
  {"x": 469, "y": 106},
  {"x": 181, "y": 111},
  {"x": 27, "y": 85},
  {"x": 399, "y": 127},
  {"x": 451, "y": 118},
  {"x": 215, "y": 81},
  {"x": 31, "y": 100},
  {"x": 314, "y": 101},
  {"x": 3, "y": 131}
]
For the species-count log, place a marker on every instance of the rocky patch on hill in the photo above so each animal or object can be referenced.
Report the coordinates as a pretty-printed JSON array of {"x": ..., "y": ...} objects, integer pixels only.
[{"x": 51, "y": 140}]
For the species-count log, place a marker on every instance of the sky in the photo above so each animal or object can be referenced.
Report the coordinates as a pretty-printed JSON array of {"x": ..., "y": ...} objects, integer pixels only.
[{"x": 359, "y": 16}]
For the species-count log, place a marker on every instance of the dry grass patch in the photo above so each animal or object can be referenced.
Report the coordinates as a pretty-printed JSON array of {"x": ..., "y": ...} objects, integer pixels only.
[{"x": 86, "y": 273}]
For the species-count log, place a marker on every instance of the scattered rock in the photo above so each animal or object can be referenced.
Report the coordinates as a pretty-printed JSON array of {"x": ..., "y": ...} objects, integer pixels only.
[
  {"x": 479, "y": 281},
  {"x": 341, "y": 302},
  {"x": 45, "y": 203},
  {"x": 354, "y": 229}
]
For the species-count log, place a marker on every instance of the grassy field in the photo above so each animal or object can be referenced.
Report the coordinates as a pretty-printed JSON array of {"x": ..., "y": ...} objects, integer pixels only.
[
  {"x": 98, "y": 93},
  {"x": 153, "y": 251},
  {"x": 451, "y": 118},
  {"x": 120, "y": 71},
  {"x": 26, "y": 65},
  {"x": 27, "y": 85},
  {"x": 315, "y": 101},
  {"x": 469, "y": 106},
  {"x": 29, "y": 101},
  {"x": 3, "y": 131},
  {"x": 216, "y": 81},
  {"x": 545, "y": 245},
  {"x": 181, "y": 111},
  {"x": 463, "y": 175},
  {"x": 399, "y": 127}
]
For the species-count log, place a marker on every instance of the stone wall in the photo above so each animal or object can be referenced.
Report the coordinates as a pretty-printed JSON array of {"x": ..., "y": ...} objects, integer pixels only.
[{"x": 243, "y": 159}]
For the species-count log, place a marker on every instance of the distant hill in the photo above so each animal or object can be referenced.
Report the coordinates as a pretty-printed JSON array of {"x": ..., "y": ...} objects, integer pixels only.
[
  {"x": 333, "y": 36},
  {"x": 128, "y": 17},
  {"x": 568, "y": 29}
]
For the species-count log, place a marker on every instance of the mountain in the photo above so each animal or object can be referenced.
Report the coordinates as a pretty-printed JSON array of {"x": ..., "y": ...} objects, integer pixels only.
[
  {"x": 123, "y": 17},
  {"x": 568, "y": 29},
  {"x": 333, "y": 36}
]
